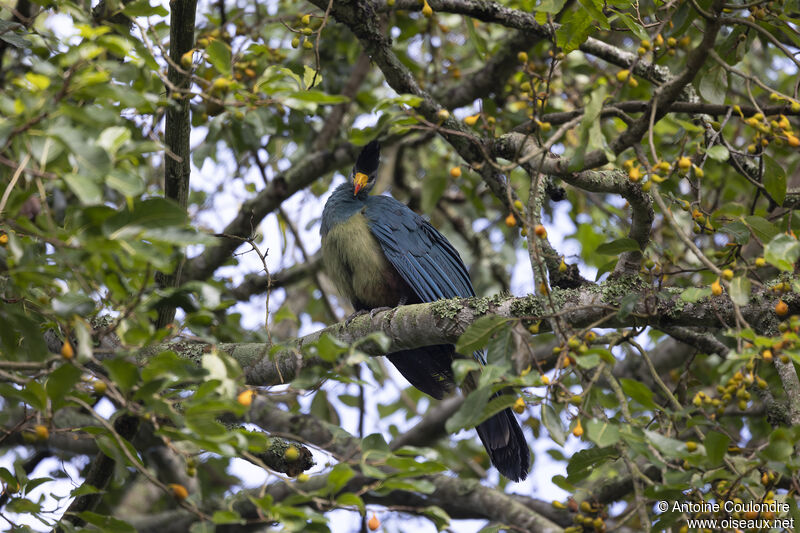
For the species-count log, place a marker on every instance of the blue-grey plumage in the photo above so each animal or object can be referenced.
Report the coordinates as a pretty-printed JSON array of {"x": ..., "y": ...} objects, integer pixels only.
[{"x": 379, "y": 253}]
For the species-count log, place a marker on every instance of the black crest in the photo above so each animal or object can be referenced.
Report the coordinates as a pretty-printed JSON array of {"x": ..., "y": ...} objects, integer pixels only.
[{"x": 369, "y": 158}]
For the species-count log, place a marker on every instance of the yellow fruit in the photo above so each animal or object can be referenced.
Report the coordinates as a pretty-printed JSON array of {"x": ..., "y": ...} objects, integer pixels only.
[
  {"x": 534, "y": 328},
  {"x": 295, "y": 42},
  {"x": 760, "y": 262},
  {"x": 716, "y": 288},
  {"x": 691, "y": 446},
  {"x": 562, "y": 266},
  {"x": 792, "y": 140},
  {"x": 545, "y": 126},
  {"x": 186, "y": 59},
  {"x": 540, "y": 231},
  {"x": 635, "y": 174},
  {"x": 795, "y": 107},
  {"x": 781, "y": 309},
  {"x": 471, "y": 120},
  {"x": 291, "y": 454},
  {"x": 641, "y": 51},
  {"x": 578, "y": 429},
  {"x": 519, "y": 406},
  {"x": 646, "y": 44},
  {"x": 66, "y": 350},
  {"x": 373, "y": 523},
  {"x": 518, "y": 205},
  {"x": 100, "y": 387},
  {"x": 443, "y": 114},
  {"x": 671, "y": 42},
  {"x": 455, "y": 172},
  {"x": 622, "y": 75},
  {"x": 522, "y": 57},
  {"x": 42, "y": 433},
  {"x": 246, "y": 397},
  {"x": 302, "y": 477},
  {"x": 305, "y": 20},
  {"x": 221, "y": 85},
  {"x": 426, "y": 9},
  {"x": 511, "y": 221},
  {"x": 308, "y": 45},
  {"x": 632, "y": 82},
  {"x": 684, "y": 163},
  {"x": 558, "y": 505},
  {"x": 659, "y": 40},
  {"x": 546, "y": 380},
  {"x": 698, "y": 171},
  {"x": 179, "y": 491},
  {"x": 727, "y": 274},
  {"x": 3, "y": 239}
]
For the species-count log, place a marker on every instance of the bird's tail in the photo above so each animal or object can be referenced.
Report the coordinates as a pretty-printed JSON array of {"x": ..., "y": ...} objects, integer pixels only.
[{"x": 504, "y": 442}]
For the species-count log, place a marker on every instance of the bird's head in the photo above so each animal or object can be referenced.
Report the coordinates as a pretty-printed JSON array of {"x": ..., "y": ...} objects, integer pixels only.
[{"x": 366, "y": 168}]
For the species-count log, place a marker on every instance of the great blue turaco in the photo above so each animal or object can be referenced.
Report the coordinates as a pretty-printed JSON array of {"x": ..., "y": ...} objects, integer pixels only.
[{"x": 379, "y": 253}]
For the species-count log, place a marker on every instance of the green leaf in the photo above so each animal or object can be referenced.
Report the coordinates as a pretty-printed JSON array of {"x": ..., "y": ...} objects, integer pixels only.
[
  {"x": 61, "y": 381},
  {"x": 349, "y": 499},
  {"x": 469, "y": 414},
  {"x": 774, "y": 179},
  {"x": 617, "y": 247},
  {"x": 550, "y": 6},
  {"x": 227, "y": 517},
  {"x": 85, "y": 188},
  {"x": 35, "y": 395},
  {"x": 782, "y": 252},
  {"x": 740, "y": 234},
  {"x": 583, "y": 462},
  {"x": 693, "y": 294},
  {"x": 639, "y": 392},
  {"x": 111, "y": 139},
  {"x": 595, "y": 9},
  {"x": 552, "y": 422},
  {"x": 669, "y": 447},
  {"x": 740, "y": 290},
  {"x": 601, "y": 432},
  {"x": 477, "y": 41},
  {"x": 762, "y": 228},
  {"x": 219, "y": 55},
  {"x": 438, "y": 516},
  {"x": 633, "y": 25},
  {"x": 339, "y": 476},
  {"x": 713, "y": 85},
  {"x": 718, "y": 153},
  {"x": 142, "y": 8},
  {"x": 123, "y": 373},
  {"x": 477, "y": 334},
  {"x": 310, "y": 75},
  {"x": 589, "y": 131},
  {"x": 716, "y": 446},
  {"x": 575, "y": 30}
]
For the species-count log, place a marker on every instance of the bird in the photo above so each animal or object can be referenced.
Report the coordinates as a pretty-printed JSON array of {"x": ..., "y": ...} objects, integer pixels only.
[{"x": 379, "y": 253}]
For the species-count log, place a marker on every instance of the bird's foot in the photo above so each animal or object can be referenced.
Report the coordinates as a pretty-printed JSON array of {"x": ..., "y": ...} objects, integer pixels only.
[
  {"x": 378, "y": 310},
  {"x": 354, "y": 315}
]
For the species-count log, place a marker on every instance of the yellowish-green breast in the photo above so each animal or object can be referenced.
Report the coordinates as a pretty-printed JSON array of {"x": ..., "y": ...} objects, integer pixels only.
[{"x": 357, "y": 266}]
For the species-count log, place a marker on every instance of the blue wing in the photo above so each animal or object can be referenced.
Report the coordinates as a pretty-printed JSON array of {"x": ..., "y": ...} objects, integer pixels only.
[{"x": 421, "y": 255}]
